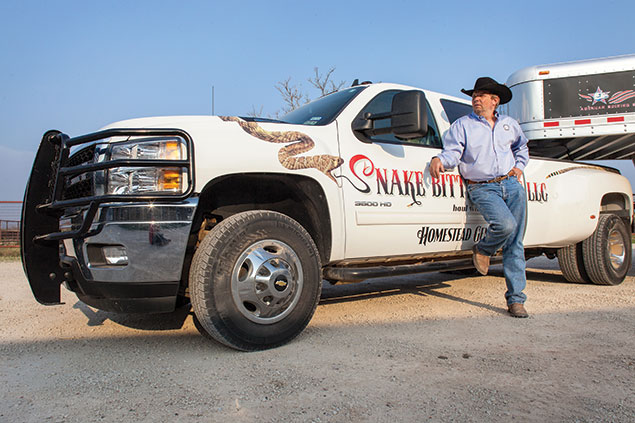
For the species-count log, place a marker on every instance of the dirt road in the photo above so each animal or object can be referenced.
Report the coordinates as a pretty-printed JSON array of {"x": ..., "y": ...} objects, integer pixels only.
[{"x": 433, "y": 347}]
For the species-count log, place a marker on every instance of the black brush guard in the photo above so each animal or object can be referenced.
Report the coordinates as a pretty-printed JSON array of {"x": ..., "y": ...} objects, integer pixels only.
[{"x": 44, "y": 203}]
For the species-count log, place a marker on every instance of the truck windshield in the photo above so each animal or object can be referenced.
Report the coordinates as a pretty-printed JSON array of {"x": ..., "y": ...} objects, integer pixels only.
[{"x": 323, "y": 110}]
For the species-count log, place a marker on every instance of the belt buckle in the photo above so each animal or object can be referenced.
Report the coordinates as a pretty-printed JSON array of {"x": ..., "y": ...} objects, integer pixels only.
[{"x": 501, "y": 178}]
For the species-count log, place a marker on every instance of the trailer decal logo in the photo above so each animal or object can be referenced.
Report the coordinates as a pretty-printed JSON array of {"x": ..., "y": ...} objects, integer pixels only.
[
  {"x": 598, "y": 96},
  {"x": 621, "y": 96},
  {"x": 298, "y": 143}
]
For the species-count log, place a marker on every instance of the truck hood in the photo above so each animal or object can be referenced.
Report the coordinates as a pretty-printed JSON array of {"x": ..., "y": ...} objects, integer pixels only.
[
  {"x": 230, "y": 145},
  {"x": 185, "y": 122}
]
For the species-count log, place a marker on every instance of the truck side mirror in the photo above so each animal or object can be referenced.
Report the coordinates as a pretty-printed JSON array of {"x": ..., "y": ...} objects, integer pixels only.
[{"x": 409, "y": 114}]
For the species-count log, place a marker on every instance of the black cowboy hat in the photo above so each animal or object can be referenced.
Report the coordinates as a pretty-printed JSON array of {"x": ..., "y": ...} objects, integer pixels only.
[{"x": 485, "y": 83}]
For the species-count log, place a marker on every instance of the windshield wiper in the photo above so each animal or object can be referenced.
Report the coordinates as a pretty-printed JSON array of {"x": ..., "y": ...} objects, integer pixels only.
[{"x": 261, "y": 119}]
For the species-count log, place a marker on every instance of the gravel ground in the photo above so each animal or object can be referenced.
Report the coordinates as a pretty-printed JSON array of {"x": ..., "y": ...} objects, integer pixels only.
[{"x": 433, "y": 347}]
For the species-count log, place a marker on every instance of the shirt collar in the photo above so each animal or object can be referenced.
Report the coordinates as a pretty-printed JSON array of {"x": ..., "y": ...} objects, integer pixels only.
[{"x": 481, "y": 118}]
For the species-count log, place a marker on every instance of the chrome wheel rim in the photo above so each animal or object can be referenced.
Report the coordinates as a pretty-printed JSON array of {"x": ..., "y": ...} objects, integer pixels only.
[
  {"x": 266, "y": 281},
  {"x": 617, "y": 249}
]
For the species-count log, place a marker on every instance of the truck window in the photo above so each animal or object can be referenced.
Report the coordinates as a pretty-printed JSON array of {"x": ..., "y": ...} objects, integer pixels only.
[
  {"x": 323, "y": 110},
  {"x": 382, "y": 104},
  {"x": 455, "y": 110}
]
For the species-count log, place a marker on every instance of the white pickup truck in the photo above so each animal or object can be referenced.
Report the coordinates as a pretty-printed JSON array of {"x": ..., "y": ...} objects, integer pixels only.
[{"x": 246, "y": 217}]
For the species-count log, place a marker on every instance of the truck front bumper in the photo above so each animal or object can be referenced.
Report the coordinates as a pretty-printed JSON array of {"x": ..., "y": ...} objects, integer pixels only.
[{"x": 134, "y": 260}]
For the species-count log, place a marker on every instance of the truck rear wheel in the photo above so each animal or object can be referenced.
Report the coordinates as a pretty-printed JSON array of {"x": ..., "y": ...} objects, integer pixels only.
[
  {"x": 607, "y": 252},
  {"x": 572, "y": 264},
  {"x": 255, "y": 280}
]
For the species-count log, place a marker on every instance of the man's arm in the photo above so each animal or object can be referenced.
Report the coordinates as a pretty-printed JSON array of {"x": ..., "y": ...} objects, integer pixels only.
[
  {"x": 453, "y": 146},
  {"x": 519, "y": 148}
]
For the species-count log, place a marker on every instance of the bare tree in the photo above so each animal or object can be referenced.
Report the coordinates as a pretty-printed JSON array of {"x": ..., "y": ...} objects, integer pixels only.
[
  {"x": 294, "y": 96},
  {"x": 324, "y": 83},
  {"x": 291, "y": 95},
  {"x": 255, "y": 112}
]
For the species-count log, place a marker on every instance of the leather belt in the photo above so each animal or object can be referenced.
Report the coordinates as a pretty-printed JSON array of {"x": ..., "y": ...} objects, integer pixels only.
[{"x": 497, "y": 179}]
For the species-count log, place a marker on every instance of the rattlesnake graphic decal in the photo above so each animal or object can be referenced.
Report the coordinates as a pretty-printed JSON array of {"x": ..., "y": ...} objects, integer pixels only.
[
  {"x": 301, "y": 143},
  {"x": 569, "y": 169}
]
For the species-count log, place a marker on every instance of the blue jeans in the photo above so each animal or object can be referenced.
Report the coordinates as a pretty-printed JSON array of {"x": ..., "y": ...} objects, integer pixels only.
[{"x": 503, "y": 205}]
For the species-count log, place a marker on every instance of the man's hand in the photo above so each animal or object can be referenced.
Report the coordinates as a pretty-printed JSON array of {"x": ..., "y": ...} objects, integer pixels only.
[
  {"x": 436, "y": 167},
  {"x": 515, "y": 171}
]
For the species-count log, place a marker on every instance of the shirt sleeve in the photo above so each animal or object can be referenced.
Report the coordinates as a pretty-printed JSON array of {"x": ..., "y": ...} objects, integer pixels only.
[
  {"x": 453, "y": 146},
  {"x": 519, "y": 148}
]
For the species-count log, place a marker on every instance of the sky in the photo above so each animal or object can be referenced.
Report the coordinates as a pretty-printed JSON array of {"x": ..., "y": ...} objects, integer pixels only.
[{"x": 76, "y": 66}]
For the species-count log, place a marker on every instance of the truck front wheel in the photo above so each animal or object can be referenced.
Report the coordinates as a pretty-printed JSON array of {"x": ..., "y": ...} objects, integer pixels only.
[
  {"x": 607, "y": 252},
  {"x": 255, "y": 280}
]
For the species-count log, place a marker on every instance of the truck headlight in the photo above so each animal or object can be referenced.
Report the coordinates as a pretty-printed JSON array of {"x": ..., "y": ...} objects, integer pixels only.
[
  {"x": 172, "y": 149},
  {"x": 130, "y": 180}
]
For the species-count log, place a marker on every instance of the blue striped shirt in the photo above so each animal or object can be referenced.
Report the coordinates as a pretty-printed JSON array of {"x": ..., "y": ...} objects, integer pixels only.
[{"x": 482, "y": 152}]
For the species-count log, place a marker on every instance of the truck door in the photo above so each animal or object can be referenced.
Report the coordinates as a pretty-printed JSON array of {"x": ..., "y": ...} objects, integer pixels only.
[{"x": 392, "y": 205}]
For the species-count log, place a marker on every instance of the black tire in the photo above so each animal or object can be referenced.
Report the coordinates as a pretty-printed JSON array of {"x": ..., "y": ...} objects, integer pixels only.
[
  {"x": 255, "y": 280},
  {"x": 572, "y": 264},
  {"x": 607, "y": 253}
]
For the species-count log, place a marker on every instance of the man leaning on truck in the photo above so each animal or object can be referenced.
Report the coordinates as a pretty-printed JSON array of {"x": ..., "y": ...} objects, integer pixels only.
[{"x": 491, "y": 152}]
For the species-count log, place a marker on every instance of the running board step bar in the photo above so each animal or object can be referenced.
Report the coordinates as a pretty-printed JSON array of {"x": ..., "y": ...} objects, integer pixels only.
[{"x": 358, "y": 274}]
